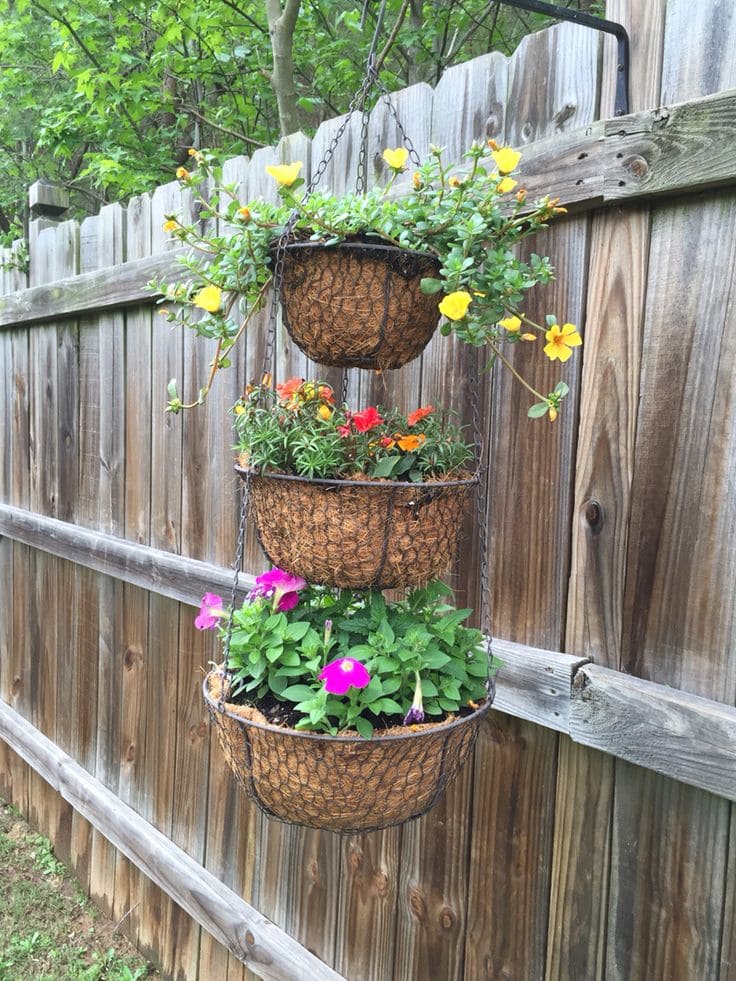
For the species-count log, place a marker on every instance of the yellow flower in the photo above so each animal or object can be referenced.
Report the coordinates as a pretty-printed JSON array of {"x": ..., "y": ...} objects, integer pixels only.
[
  {"x": 417, "y": 182},
  {"x": 454, "y": 181},
  {"x": 285, "y": 174},
  {"x": 552, "y": 413},
  {"x": 324, "y": 412},
  {"x": 506, "y": 184},
  {"x": 170, "y": 225},
  {"x": 396, "y": 159},
  {"x": 209, "y": 299},
  {"x": 239, "y": 409},
  {"x": 511, "y": 324},
  {"x": 192, "y": 152},
  {"x": 561, "y": 341},
  {"x": 521, "y": 195},
  {"x": 244, "y": 213},
  {"x": 455, "y": 305},
  {"x": 182, "y": 174},
  {"x": 506, "y": 159},
  {"x": 528, "y": 337}
]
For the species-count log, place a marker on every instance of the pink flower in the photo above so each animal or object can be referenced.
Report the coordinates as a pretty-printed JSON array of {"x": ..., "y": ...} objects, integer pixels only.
[
  {"x": 282, "y": 586},
  {"x": 210, "y": 611},
  {"x": 344, "y": 431},
  {"x": 367, "y": 419},
  {"x": 342, "y": 674}
]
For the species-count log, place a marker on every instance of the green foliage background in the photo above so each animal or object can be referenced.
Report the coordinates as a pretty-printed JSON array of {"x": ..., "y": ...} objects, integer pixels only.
[{"x": 106, "y": 96}]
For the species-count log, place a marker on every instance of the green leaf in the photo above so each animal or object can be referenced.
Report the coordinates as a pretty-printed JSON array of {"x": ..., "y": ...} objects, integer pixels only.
[
  {"x": 364, "y": 728},
  {"x": 297, "y": 693},
  {"x": 430, "y": 286},
  {"x": 538, "y": 410},
  {"x": 295, "y": 631}
]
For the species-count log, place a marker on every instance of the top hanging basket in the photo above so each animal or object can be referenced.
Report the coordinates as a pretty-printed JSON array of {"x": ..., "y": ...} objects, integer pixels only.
[{"x": 358, "y": 304}]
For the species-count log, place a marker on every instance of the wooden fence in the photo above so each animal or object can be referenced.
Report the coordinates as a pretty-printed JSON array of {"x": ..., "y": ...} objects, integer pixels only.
[{"x": 593, "y": 836}]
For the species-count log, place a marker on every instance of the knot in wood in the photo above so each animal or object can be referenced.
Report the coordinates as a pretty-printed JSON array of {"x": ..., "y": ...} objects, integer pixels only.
[
  {"x": 637, "y": 166},
  {"x": 417, "y": 904},
  {"x": 593, "y": 512},
  {"x": 130, "y": 755},
  {"x": 17, "y": 685},
  {"x": 250, "y": 939},
  {"x": 355, "y": 859},
  {"x": 314, "y": 870},
  {"x": 132, "y": 654},
  {"x": 561, "y": 117},
  {"x": 447, "y": 918}
]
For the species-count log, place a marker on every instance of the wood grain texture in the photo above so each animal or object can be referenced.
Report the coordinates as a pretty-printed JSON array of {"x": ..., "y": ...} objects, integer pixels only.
[
  {"x": 530, "y": 500},
  {"x": 699, "y": 50},
  {"x": 619, "y": 253},
  {"x": 689, "y": 738},
  {"x": 669, "y": 843}
]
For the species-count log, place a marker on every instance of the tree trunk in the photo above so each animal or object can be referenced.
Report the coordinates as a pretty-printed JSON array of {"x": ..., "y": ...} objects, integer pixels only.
[{"x": 281, "y": 24}]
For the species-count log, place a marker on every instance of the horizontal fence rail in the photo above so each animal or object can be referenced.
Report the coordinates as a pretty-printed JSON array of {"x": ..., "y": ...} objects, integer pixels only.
[
  {"x": 682, "y": 736},
  {"x": 267, "y": 950}
]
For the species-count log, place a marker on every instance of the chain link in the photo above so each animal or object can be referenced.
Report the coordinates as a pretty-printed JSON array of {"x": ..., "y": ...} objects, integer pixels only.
[{"x": 482, "y": 522}]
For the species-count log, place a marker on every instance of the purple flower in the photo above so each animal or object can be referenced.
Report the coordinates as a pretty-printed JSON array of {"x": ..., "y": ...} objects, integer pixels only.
[
  {"x": 282, "y": 586},
  {"x": 416, "y": 712},
  {"x": 210, "y": 611},
  {"x": 342, "y": 674}
]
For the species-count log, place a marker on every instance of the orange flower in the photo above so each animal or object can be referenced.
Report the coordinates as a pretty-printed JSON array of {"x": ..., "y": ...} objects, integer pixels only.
[
  {"x": 409, "y": 443},
  {"x": 288, "y": 389},
  {"x": 244, "y": 213},
  {"x": 414, "y": 417},
  {"x": 182, "y": 174}
]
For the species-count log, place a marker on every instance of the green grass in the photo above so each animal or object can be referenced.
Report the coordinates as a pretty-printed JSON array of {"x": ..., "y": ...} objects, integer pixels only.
[{"x": 49, "y": 931}]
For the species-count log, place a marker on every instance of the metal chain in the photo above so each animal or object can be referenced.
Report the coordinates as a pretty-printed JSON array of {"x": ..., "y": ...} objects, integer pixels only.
[
  {"x": 413, "y": 155},
  {"x": 237, "y": 566},
  {"x": 482, "y": 522}
]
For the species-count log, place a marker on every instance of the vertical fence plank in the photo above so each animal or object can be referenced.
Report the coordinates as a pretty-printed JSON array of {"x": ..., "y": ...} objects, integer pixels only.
[
  {"x": 135, "y": 403},
  {"x": 109, "y": 517},
  {"x": 530, "y": 501},
  {"x": 619, "y": 251},
  {"x": 669, "y": 599}
]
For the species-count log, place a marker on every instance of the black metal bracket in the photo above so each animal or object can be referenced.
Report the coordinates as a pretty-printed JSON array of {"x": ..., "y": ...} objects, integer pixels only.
[{"x": 621, "y": 106}]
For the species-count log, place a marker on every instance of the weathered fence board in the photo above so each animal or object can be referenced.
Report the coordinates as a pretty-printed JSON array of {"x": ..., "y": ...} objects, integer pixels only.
[{"x": 619, "y": 247}]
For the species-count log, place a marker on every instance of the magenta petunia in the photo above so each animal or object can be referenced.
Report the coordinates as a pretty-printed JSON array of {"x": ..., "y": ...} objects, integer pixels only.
[
  {"x": 210, "y": 611},
  {"x": 344, "y": 673},
  {"x": 280, "y": 585}
]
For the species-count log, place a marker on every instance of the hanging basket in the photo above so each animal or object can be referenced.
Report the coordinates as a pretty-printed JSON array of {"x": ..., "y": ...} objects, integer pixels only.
[
  {"x": 358, "y": 304},
  {"x": 339, "y": 783},
  {"x": 359, "y": 534}
]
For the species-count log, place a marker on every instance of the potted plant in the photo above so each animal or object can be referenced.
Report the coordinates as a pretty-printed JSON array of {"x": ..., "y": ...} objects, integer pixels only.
[
  {"x": 441, "y": 243},
  {"x": 341, "y": 710},
  {"x": 356, "y": 499}
]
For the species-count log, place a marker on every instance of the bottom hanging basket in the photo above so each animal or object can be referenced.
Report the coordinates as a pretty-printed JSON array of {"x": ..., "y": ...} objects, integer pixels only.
[{"x": 339, "y": 783}]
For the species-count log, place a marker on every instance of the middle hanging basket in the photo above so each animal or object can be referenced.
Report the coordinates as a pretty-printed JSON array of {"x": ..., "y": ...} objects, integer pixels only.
[
  {"x": 359, "y": 534},
  {"x": 358, "y": 304}
]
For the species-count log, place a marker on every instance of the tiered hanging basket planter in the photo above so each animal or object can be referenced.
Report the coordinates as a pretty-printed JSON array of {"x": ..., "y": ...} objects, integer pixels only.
[
  {"x": 358, "y": 304},
  {"x": 339, "y": 783},
  {"x": 359, "y": 534}
]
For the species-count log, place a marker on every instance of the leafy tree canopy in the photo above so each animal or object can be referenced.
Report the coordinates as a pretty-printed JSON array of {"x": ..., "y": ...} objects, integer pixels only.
[{"x": 106, "y": 96}]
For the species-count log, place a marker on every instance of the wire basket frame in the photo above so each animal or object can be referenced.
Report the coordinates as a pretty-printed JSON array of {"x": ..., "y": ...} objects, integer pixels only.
[
  {"x": 358, "y": 304},
  {"x": 339, "y": 783},
  {"x": 359, "y": 534}
]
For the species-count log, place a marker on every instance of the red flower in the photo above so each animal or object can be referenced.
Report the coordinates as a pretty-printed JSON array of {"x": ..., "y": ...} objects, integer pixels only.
[
  {"x": 414, "y": 417},
  {"x": 367, "y": 419},
  {"x": 344, "y": 431}
]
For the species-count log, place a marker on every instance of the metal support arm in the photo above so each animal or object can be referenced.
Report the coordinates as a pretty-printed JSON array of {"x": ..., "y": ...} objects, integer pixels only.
[{"x": 621, "y": 106}]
